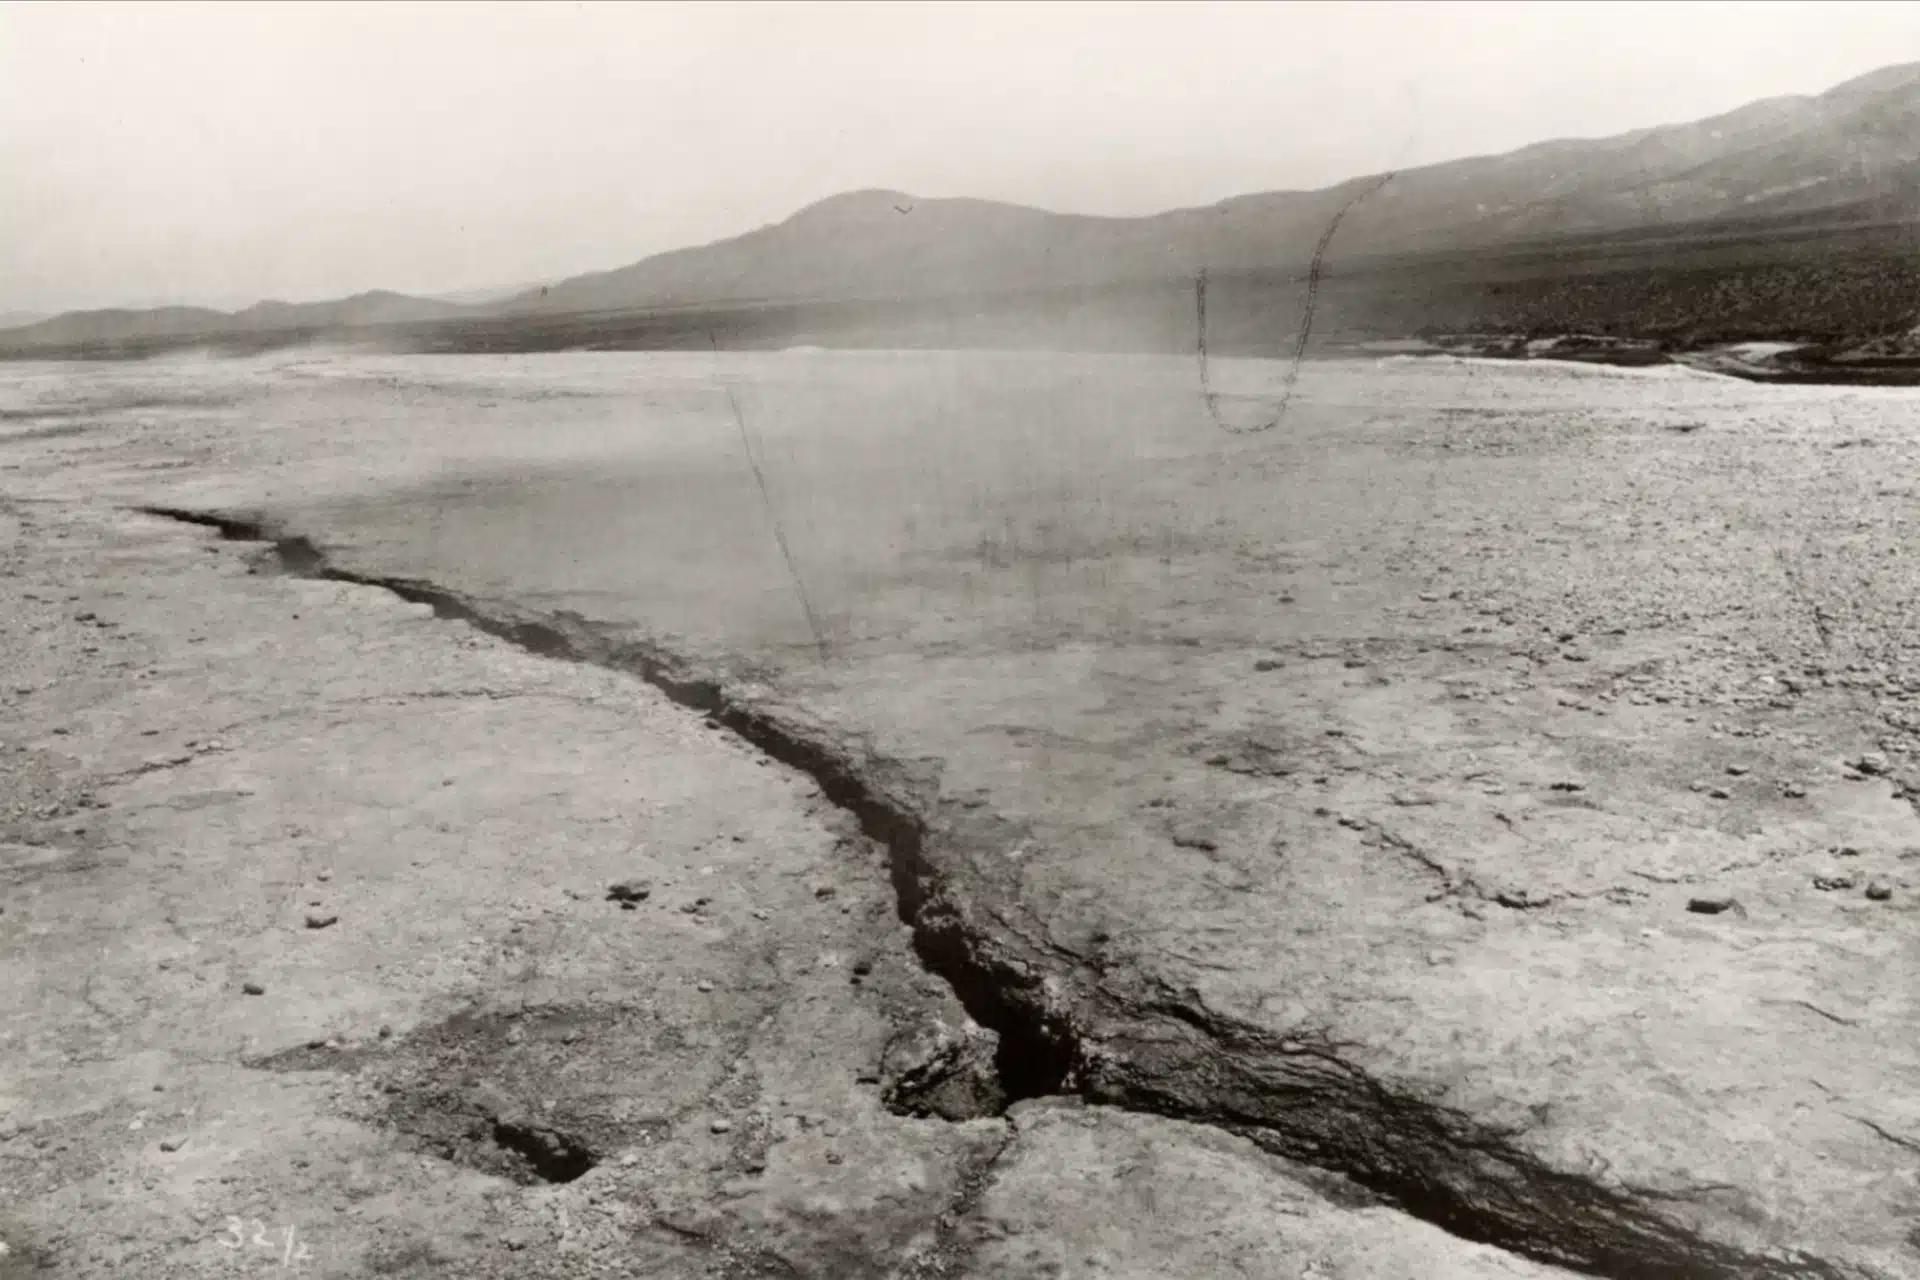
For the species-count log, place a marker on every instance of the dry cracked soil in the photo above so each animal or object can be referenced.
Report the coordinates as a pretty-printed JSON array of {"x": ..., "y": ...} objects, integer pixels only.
[{"x": 1467, "y": 831}]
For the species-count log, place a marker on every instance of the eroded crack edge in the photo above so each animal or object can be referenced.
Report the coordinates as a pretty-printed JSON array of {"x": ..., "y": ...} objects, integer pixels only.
[{"x": 1129, "y": 1040}]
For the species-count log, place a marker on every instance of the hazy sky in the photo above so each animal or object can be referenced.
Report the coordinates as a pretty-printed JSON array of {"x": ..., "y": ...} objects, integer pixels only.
[{"x": 220, "y": 153}]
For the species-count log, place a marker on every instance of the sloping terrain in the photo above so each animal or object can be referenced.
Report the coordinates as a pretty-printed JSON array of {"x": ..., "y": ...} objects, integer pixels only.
[
  {"x": 1822, "y": 183},
  {"x": 1847, "y": 157}
]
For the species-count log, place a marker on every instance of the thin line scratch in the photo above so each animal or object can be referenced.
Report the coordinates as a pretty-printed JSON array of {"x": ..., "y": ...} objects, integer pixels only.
[
  {"x": 1314, "y": 272},
  {"x": 773, "y": 520}
]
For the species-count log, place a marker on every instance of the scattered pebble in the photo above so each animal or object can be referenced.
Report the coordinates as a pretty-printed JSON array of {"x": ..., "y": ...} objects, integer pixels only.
[
  {"x": 1718, "y": 793},
  {"x": 1710, "y": 906},
  {"x": 1267, "y": 664},
  {"x": 172, "y": 1144},
  {"x": 1737, "y": 770},
  {"x": 1872, "y": 764},
  {"x": 1879, "y": 892},
  {"x": 722, "y": 1126},
  {"x": 1566, "y": 784},
  {"x": 321, "y": 920},
  {"x": 703, "y": 985},
  {"x": 1793, "y": 791},
  {"x": 1842, "y": 881},
  {"x": 253, "y": 988}
]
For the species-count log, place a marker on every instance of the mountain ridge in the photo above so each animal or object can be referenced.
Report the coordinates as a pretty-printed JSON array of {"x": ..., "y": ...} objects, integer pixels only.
[{"x": 1844, "y": 158}]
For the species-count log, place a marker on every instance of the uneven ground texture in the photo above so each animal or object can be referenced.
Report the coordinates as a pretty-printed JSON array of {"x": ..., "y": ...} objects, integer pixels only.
[
  {"x": 313, "y": 963},
  {"x": 1490, "y": 787}
]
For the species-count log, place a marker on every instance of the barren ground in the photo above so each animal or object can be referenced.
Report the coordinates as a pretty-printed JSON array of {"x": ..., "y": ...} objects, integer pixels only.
[{"x": 1482, "y": 801}]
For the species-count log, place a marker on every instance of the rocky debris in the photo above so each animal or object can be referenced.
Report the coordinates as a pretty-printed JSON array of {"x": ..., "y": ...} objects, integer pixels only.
[
  {"x": 1838, "y": 880},
  {"x": 1713, "y": 905},
  {"x": 1871, "y": 764},
  {"x": 253, "y": 989},
  {"x": 1879, "y": 892},
  {"x": 321, "y": 919},
  {"x": 935, "y": 1068},
  {"x": 629, "y": 893}
]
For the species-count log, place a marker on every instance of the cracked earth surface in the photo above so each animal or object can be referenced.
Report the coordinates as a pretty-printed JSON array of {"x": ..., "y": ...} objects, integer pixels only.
[{"x": 1497, "y": 820}]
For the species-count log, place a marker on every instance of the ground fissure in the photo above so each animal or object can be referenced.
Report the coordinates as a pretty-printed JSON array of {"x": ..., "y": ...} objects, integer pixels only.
[{"x": 1130, "y": 1042}]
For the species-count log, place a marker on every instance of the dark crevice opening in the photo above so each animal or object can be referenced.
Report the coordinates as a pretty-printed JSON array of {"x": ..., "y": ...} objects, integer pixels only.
[
  {"x": 553, "y": 1156},
  {"x": 1398, "y": 1150}
]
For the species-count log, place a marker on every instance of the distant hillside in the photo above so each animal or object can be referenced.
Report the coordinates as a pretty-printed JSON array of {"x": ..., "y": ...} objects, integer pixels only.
[
  {"x": 1793, "y": 215},
  {"x": 82, "y": 328},
  {"x": 1846, "y": 158}
]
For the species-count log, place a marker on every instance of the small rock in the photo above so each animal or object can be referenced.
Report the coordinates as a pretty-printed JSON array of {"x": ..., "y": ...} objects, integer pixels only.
[
  {"x": 1841, "y": 881},
  {"x": 321, "y": 919},
  {"x": 172, "y": 1144},
  {"x": 626, "y": 891},
  {"x": 514, "y": 1240},
  {"x": 253, "y": 988},
  {"x": 1737, "y": 770},
  {"x": 1267, "y": 664},
  {"x": 1568, "y": 785},
  {"x": 1872, "y": 764},
  {"x": 703, "y": 985},
  {"x": 1718, "y": 793},
  {"x": 1879, "y": 892},
  {"x": 323, "y": 876},
  {"x": 1711, "y": 906},
  {"x": 386, "y": 1032},
  {"x": 1793, "y": 791},
  {"x": 721, "y": 1126}
]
